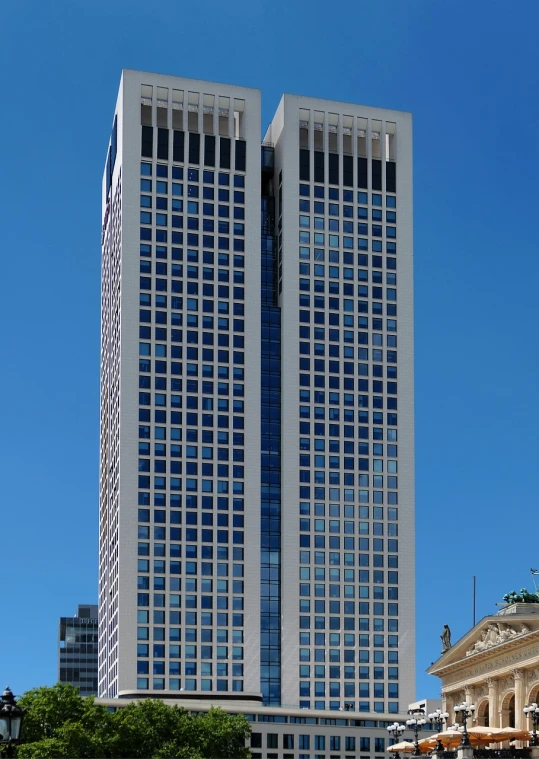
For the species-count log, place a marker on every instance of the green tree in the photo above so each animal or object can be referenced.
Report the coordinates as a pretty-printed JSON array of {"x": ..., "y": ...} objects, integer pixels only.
[
  {"x": 151, "y": 728},
  {"x": 60, "y": 723}
]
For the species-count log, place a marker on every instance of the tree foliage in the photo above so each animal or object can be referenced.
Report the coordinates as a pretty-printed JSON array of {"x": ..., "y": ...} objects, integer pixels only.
[
  {"x": 524, "y": 597},
  {"x": 60, "y": 723}
]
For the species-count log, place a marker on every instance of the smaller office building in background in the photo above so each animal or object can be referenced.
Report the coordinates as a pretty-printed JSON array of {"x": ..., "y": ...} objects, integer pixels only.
[{"x": 77, "y": 660}]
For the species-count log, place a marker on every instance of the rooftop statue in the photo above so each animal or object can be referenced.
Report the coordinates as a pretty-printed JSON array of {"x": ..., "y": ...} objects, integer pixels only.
[
  {"x": 524, "y": 597},
  {"x": 446, "y": 639}
]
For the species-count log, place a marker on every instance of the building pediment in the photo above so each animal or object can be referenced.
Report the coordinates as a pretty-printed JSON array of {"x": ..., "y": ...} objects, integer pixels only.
[
  {"x": 492, "y": 636},
  {"x": 496, "y": 633}
]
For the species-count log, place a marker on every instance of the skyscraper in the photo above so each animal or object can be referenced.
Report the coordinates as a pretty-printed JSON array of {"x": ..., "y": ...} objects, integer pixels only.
[
  {"x": 77, "y": 650},
  {"x": 256, "y": 501}
]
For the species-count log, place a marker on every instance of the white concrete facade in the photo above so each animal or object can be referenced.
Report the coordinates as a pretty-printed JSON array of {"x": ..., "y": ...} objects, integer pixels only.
[
  {"x": 324, "y": 126},
  {"x": 120, "y": 439},
  {"x": 180, "y": 467}
]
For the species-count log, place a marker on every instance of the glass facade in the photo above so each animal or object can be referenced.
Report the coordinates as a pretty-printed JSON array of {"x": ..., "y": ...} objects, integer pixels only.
[
  {"x": 191, "y": 355},
  {"x": 270, "y": 441},
  {"x": 77, "y": 654},
  {"x": 348, "y": 515}
]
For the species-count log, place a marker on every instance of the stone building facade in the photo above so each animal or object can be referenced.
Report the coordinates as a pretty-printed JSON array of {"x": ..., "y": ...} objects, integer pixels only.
[{"x": 494, "y": 666}]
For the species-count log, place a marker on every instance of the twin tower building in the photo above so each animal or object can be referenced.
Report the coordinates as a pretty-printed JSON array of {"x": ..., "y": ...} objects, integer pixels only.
[{"x": 257, "y": 422}]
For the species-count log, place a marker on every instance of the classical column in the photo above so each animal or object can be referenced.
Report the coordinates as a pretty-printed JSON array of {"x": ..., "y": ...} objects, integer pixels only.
[
  {"x": 469, "y": 699},
  {"x": 449, "y": 701},
  {"x": 443, "y": 694},
  {"x": 493, "y": 702},
  {"x": 519, "y": 699}
]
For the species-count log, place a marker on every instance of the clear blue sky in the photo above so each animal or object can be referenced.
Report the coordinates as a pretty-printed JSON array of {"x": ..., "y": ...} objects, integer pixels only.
[{"x": 468, "y": 70}]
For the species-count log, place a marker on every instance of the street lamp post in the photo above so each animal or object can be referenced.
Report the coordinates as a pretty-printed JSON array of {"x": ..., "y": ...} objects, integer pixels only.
[
  {"x": 439, "y": 718},
  {"x": 395, "y": 731},
  {"x": 533, "y": 711},
  {"x": 466, "y": 711},
  {"x": 416, "y": 724},
  {"x": 11, "y": 718}
]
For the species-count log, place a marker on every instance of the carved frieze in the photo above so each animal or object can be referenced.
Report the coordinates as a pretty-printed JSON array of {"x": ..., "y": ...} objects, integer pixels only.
[
  {"x": 494, "y": 663},
  {"x": 496, "y": 633},
  {"x": 481, "y": 690},
  {"x": 506, "y": 683},
  {"x": 457, "y": 697}
]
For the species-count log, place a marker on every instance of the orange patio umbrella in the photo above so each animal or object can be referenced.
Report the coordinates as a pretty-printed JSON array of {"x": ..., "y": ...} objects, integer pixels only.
[
  {"x": 499, "y": 734},
  {"x": 453, "y": 738},
  {"x": 404, "y": 747}
]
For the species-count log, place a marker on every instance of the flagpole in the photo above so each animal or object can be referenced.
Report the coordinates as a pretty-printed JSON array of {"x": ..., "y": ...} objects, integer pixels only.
[
  {"x": 534, "y": 572},
  {"x": 474, "y": 583}
]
